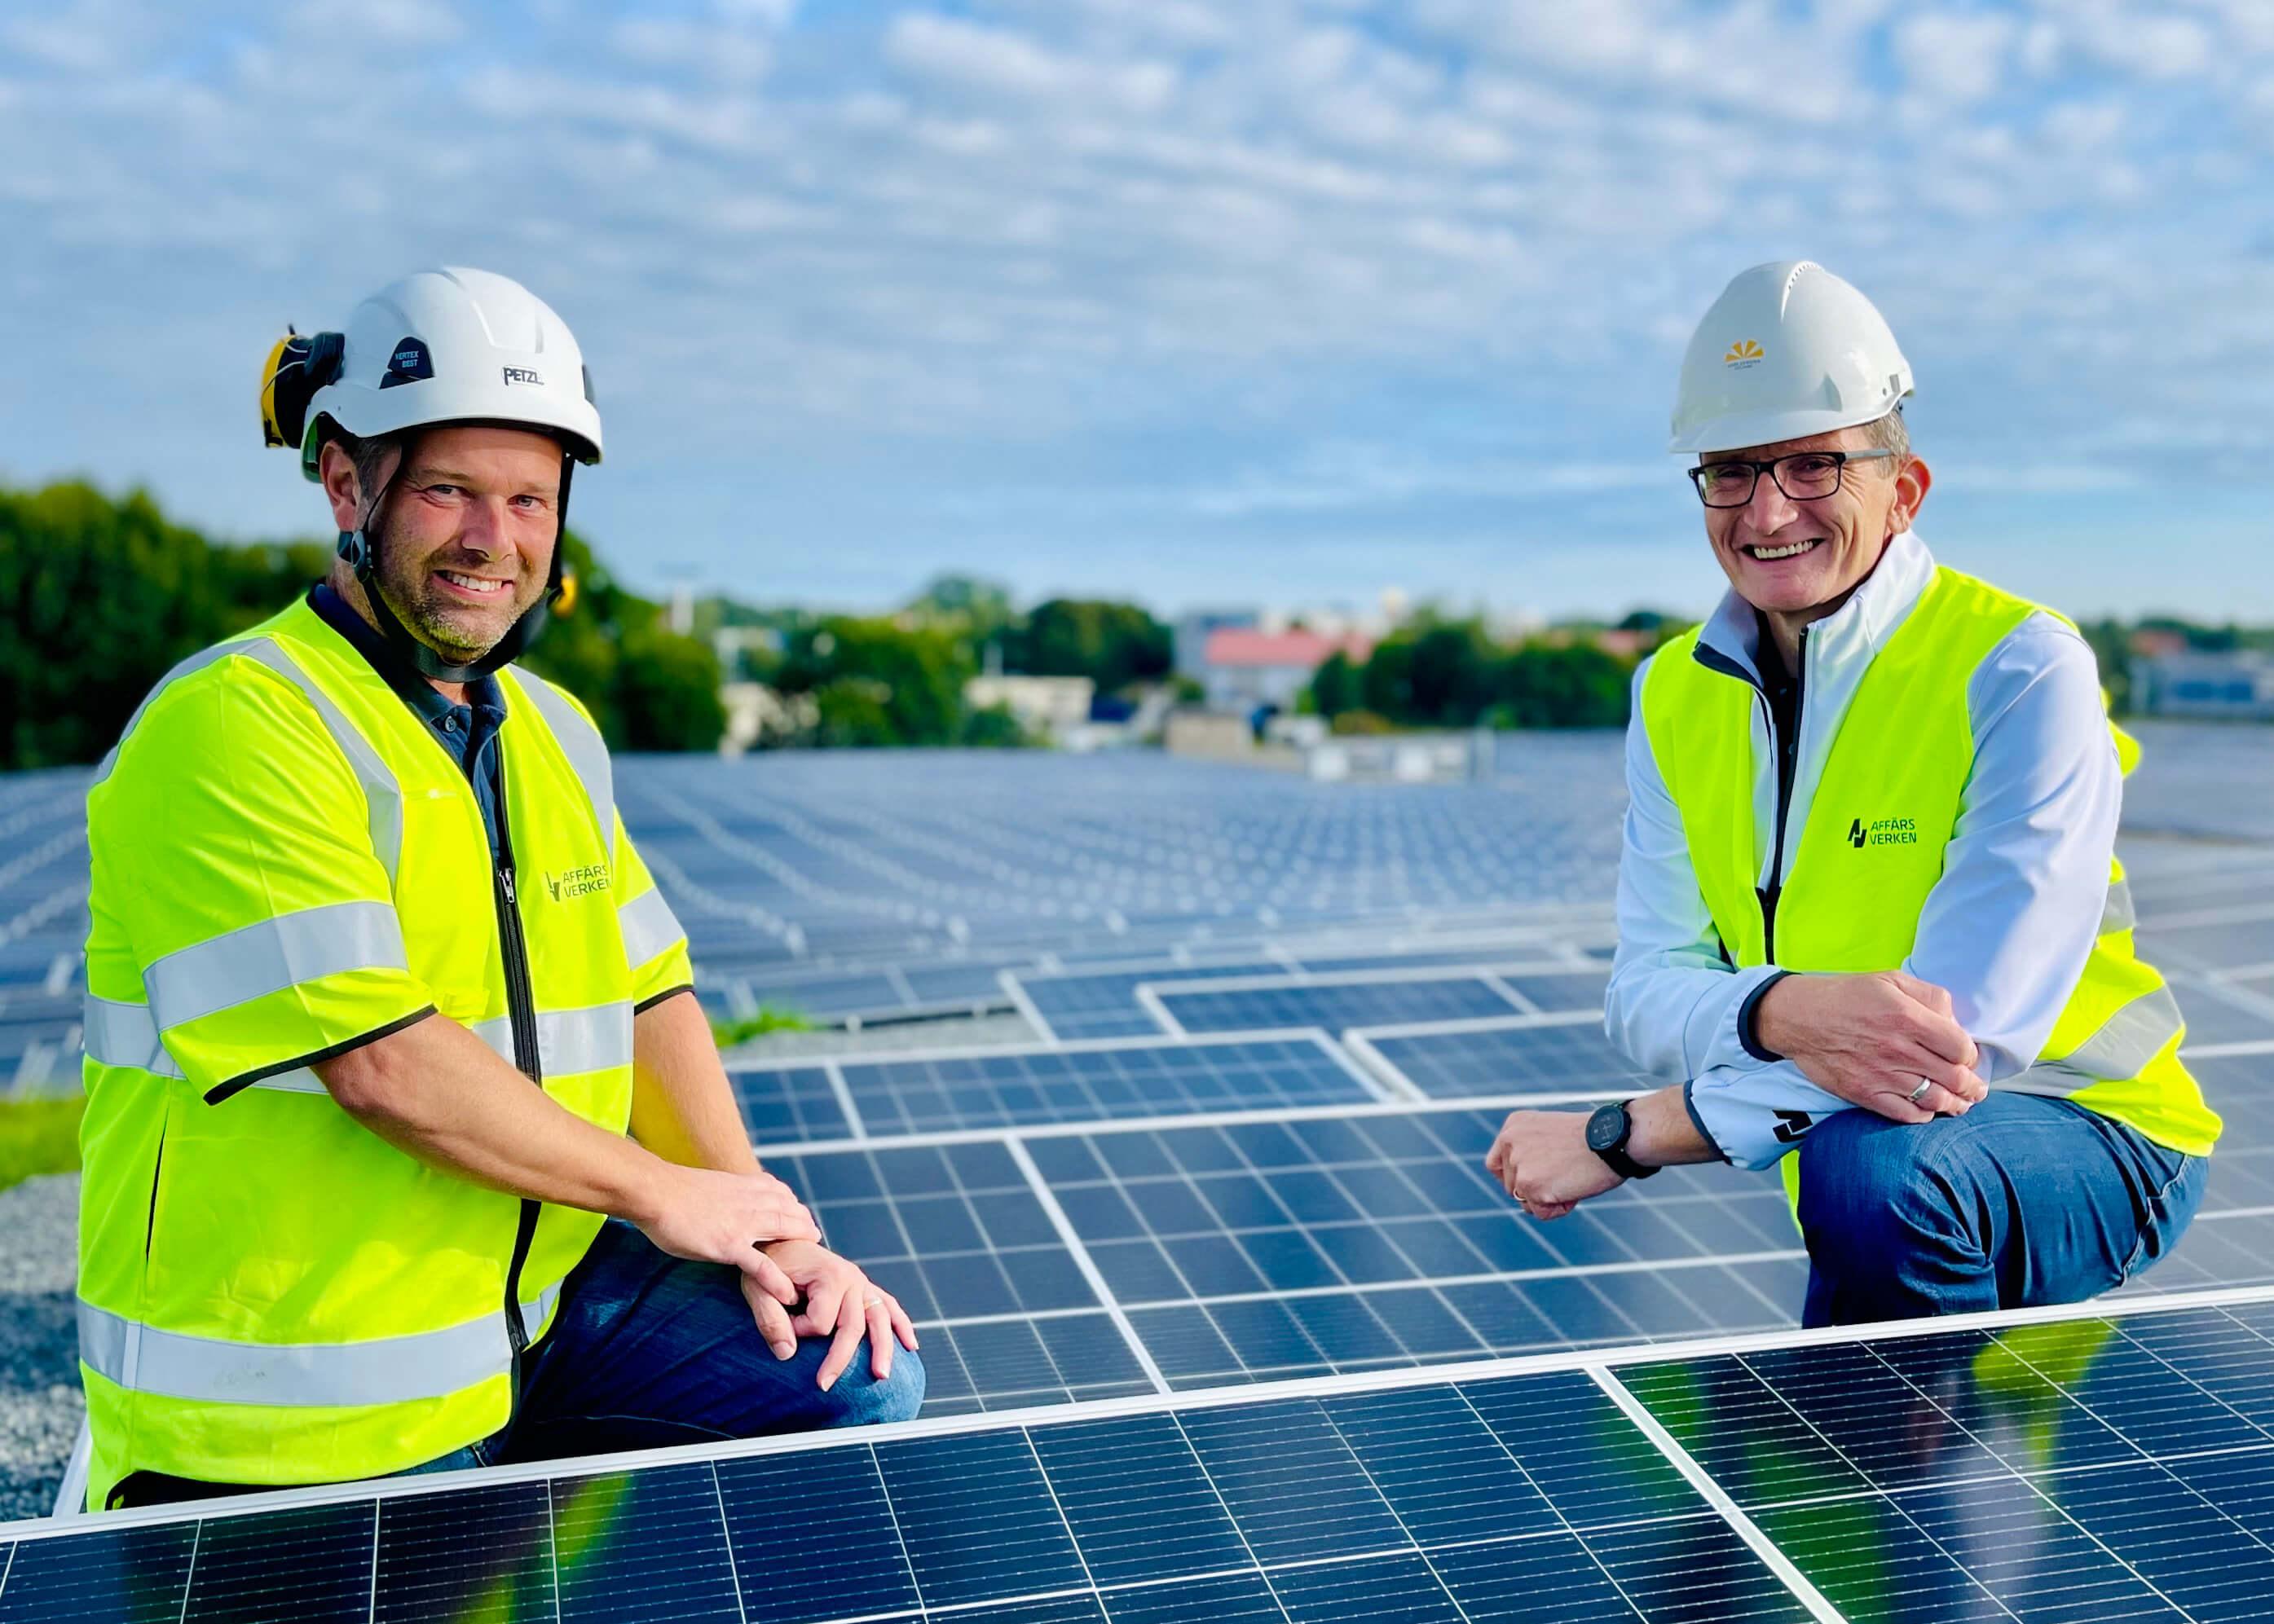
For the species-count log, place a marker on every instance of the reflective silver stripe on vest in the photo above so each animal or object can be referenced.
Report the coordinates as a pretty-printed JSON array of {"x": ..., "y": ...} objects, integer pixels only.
[
  {"x": 124, "y": 1034},
  {"x": 568, "y": 1041},
  {"x": 2132, "y": 1037},
  {"x": 2119, "y": 914},
  {"x": 587, "y": 752},
  {"x": 388, "y": 1369},
  {"x": 649, "y": 927},
  {"x": 271, "y": 955},
  {"x": 382, "y": 794},
  {"x": 198, "y": 661}
]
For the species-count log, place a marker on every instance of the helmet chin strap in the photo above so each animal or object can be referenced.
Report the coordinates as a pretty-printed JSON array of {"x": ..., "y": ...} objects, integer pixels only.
[{"x": 363, "y": 557}]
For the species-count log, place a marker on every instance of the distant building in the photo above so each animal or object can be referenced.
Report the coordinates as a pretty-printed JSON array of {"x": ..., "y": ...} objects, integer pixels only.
[
  {"x": 1050, "y": 706},
  {"x": 1195, "y": 629},
  {"x": 1243, "y": 670},
  {"x": 2233, "y": 683}
]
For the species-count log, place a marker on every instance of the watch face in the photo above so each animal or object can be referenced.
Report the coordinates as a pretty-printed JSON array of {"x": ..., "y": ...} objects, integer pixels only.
[{"x": 1605, "y": 1128}]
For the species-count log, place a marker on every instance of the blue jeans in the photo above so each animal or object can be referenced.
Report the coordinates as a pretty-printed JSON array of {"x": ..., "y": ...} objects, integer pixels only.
[
  {"x": 2023, "y": 1201},
  {"x": 648, "y": 1349}
]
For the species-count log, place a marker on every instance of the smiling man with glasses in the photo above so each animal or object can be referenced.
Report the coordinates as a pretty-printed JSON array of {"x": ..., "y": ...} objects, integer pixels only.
[{"x": 1871, "y": 929}]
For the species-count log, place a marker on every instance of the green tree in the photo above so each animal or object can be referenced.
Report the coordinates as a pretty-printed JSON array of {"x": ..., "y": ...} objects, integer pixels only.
[
  {"x": 878, "y": 682},
  {"x": 1563, "y": 685},
  {"x": 1335, "y": 686},
  {"x": 99, "y": 599},
  {"x": 648, "y": 688},
  {"x": 1112, "y": 644}
]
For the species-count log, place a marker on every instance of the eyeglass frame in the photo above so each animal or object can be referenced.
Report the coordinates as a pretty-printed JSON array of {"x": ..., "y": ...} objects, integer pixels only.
[{"x": 1841, "y": 458}]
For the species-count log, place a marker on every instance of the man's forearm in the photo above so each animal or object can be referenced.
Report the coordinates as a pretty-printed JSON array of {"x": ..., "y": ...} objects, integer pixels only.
[
  {"x": 682, "y": 1108},
  {"x": 1664, "y": 1134},
  {"x": 437, "y": 1092}
]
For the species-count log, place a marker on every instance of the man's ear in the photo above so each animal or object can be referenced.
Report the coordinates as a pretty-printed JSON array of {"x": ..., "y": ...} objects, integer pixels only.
[
  {"x": 1913, "y": 481},
  {"x": 337, "y": 472}
]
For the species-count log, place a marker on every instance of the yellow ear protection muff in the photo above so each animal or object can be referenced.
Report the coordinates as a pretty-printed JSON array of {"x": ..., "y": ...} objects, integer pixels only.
[{"x": 297, "y": 368}]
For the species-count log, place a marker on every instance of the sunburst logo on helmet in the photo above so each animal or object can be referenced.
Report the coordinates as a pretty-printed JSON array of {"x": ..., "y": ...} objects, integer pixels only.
[{"x": 1743, "y": 353}]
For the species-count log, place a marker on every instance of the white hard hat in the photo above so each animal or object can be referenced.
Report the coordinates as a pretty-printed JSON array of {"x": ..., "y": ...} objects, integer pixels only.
[
  {"x": 1788, "y": 351},
  {"x": 443, "y": 346}
]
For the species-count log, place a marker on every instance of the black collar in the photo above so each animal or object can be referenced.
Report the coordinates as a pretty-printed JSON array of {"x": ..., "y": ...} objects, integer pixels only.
[{"x": 482, "y": 693}]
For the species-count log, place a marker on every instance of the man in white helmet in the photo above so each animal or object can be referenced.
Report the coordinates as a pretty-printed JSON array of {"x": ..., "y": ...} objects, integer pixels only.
[
  {"x": 407, "y": 1145},
  {"x": 1871, "y": 925}
]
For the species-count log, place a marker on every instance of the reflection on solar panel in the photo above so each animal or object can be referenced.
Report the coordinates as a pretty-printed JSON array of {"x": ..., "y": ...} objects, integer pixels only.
[
  {"x": 1375, "y": 999},
  {"x": 1510, "y": 1056},
  {"x": 1264, "y": 1250},
  {"x": 2097, "y": 1467},
  {"x": 1004, "y": 1087}
]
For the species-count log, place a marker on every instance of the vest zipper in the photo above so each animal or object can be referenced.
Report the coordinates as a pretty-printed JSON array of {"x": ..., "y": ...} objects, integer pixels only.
[
  {"x": 1787, "y": 751},
  {"x": 520, "y": 1004}
]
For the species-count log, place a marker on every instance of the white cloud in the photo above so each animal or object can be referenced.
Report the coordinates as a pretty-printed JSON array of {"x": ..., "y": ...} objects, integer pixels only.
[
  {"x": 1196, "y": 237},
  {"x": 1950, "y": 57}
]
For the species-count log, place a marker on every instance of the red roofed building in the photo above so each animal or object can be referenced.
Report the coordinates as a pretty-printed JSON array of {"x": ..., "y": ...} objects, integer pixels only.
[{"x": 1244, "y": 669}]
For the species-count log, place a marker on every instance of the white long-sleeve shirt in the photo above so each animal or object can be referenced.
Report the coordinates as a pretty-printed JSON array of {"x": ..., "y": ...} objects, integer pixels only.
[{"x": 2007, "y": 927}]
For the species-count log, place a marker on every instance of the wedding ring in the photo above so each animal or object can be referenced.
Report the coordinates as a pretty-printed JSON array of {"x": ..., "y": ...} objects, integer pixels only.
[
  {"x": 874, "y": 1302},
  {"x": 1919, "y": 1092}
]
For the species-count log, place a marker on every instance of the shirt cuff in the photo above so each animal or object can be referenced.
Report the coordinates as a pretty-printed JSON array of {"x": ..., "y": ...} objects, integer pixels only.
[
  {"x": 1757, "y": 1116},
  {"x": 1749, "y": 1015}
]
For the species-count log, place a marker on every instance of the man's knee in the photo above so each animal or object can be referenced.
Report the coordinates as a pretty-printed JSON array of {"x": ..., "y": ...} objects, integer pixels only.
[
  {"x": 1858, "y": 1166},
  {"x": 861, "y": 1400}
]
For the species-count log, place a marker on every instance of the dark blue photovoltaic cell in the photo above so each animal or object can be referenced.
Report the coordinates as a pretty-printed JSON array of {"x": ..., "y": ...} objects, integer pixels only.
[
  {"x": 1388, "y": 1590},
  {"x": 788, "y": 1104},
  {"x": 1296, "y": 1488},
  {"x": 976, "y": 1518},
  {"x": 1446, "y": 1477},
  {"x": 312, "y": 1565},
  {"x": 647, "y": 1545},
  {"x": 436, "y": 1550},
  {"x": 1104, "y": 1004},
  {"x": 831, "y": 1509},
  {"x": 1335, "y": 1005},
  {"x": 1527, "y": 1581},
  {"x": 1237, "y": 1599},
  {"x": 1692, "y": 1571},
  {"x": 1138, "y": 1503},
  {"x": 134, "y": 1575}
]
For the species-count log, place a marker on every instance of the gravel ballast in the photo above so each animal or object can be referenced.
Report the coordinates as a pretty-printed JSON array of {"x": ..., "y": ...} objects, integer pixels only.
[{"x": 40, "y": 1399}]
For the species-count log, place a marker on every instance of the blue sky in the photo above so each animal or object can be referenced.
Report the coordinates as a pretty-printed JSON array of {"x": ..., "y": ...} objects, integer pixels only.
[{"x": 1200, "y": 301}]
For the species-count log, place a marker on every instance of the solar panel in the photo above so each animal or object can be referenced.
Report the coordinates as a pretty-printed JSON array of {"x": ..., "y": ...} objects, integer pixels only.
[
  {"x": 1356, "y": 999},
  {"x": 2087, "y": 1466},
  {"x": 962, "y": 1236},
  {"x": 962, "y": 1089},
  {"x": 1103, "y": 1003},
  {"x": 1265, "y": 1249},
  {"x": 1509, "y": 1055}
]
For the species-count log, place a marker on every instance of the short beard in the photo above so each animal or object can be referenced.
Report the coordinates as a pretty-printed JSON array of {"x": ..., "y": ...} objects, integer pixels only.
[{"x": 423, "y": 618}]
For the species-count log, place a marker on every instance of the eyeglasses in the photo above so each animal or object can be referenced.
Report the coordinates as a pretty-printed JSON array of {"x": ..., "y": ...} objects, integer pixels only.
[{"x": 1805, "y": 475}]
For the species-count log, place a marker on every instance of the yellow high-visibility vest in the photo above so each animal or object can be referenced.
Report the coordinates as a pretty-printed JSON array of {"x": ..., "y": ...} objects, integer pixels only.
[
  {"x": 287, "y": 862},
  {"x": 1907, "y": 743}
]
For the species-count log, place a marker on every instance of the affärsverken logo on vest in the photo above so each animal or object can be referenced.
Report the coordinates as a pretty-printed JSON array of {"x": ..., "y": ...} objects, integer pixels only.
[
  {"x": 1883, "y": 832},
  {"x": 577, "y": 882}
]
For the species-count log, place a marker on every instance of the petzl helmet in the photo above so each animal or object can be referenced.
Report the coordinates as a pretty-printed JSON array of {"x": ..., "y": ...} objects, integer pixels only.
[
  {"x": 1786, "y": 351},
  {"x": 439, "y": 348}
]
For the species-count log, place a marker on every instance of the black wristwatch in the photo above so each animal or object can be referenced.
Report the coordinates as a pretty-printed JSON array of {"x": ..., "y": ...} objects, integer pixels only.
[{"x": 1608, "y": 1130}]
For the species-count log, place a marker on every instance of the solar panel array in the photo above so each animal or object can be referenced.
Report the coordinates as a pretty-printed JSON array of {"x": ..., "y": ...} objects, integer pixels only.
[
  {"x": 1222, "y": 1318},
  {"x": 2095, "y": 1467}
]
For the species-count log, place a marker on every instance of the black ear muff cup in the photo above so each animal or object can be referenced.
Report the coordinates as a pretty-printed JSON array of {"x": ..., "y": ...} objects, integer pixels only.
[
  {"x": 297, "y": 368},
  {"x": 325, "y": 351}
]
